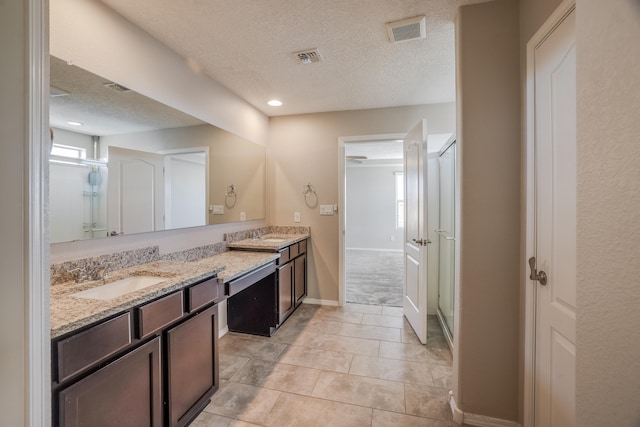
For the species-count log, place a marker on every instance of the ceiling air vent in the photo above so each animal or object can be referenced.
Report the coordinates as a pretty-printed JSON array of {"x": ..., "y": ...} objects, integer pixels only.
[
  {"x": 407, "y": 29},
  {"x": 117, "y": 87},
  {"x": 307, "y": 56}
]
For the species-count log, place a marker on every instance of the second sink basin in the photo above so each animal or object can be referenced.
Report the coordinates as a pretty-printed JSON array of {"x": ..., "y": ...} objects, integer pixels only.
[{"x": 119, "y": 287}]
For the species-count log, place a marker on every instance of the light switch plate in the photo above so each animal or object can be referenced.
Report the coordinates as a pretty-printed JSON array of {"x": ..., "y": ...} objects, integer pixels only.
[
  {"x": 217, "y": 209},
  {"x": 243, "y": 216},
  {"x": 296, "y": 217},
  {"x": 326, "y": 209}
]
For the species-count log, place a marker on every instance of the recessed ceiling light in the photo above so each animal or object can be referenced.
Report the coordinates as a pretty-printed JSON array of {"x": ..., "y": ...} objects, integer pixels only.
[
  {"x": 275, "y": 103},
  {"x": 72, "y": 123}
]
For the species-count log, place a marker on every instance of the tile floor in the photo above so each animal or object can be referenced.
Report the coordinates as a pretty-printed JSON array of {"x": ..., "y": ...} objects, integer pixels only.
[{"x": 359, "y": 365}]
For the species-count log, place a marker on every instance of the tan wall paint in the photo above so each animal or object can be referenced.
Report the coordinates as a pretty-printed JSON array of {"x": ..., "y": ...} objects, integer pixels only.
[
  {"x": 304, "y": 148},
  {"x": 486, "y": 358},
  {"x": 608, "y": 199},
  {"x": 13, "y": 143}
]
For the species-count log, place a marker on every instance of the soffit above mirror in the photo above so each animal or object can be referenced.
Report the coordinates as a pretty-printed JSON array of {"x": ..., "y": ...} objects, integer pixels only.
[{"x": 103, "y": 109}]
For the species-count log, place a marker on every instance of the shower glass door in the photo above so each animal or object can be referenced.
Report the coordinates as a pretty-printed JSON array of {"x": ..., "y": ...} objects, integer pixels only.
[{"x": 446, "y": 232}]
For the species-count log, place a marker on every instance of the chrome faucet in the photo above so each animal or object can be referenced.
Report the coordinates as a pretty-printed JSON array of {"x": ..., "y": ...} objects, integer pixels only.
[{"x": 99, "y": 272}]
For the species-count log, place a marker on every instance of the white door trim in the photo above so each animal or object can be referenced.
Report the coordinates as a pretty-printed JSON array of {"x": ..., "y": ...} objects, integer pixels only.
[
  {"x": 36, "y": 233},
  {"x": 342, "y": 202},
  {"x": 530, "y": 295}
]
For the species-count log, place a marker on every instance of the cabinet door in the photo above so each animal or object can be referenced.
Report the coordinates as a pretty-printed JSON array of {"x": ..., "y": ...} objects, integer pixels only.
[
  {"x": 300, "y": 288},
  {"x": 192, "y": 365},
  {"x": 285, "y": 290},
  {"x": 125, "y": 393}
]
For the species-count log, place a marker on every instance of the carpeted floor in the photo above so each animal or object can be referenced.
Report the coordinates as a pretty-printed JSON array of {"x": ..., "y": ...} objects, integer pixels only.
[{"x": 374, "y": 277}]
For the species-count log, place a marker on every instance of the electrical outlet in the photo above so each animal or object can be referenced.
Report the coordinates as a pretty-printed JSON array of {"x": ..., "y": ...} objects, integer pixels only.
[
  {"x": 296, "y": 217},
  {"x": 243, "y": 216}
]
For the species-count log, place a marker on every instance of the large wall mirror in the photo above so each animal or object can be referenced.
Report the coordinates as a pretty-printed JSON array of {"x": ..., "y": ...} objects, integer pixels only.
[{"x": 122, "y": 163}]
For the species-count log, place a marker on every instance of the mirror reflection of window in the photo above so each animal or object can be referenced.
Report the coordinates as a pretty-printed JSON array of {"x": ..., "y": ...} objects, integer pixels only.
[{"x": 68, "y": 151}]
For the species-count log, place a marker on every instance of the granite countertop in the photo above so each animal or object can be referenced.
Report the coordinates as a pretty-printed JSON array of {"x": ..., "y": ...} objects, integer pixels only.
[
  {"x": 269, "y": 242},
  {"x": 69, "y": 313}
]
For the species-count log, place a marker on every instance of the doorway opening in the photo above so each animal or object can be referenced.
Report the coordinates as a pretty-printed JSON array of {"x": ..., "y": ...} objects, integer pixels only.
[{"x": 374, "y": 222}]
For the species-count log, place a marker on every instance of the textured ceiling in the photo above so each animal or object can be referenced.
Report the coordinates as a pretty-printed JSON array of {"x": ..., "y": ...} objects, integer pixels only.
[
  {"x": 247, "y": 46},
  {"x": 104, "y": 111}
]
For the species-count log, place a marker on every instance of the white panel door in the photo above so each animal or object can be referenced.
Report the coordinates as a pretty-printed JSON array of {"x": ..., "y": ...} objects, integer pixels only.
[
  {"x": 555, "y": 226},
  {"x": 415, "y": 251},
  {"x": 136, "y": 191},
  {"x": 185, "y": 190}
]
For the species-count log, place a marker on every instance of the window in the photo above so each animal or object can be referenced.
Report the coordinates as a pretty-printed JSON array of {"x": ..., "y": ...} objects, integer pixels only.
[
  {"x": 68, "y": 151},
  {"x": 399, "y": 199}
]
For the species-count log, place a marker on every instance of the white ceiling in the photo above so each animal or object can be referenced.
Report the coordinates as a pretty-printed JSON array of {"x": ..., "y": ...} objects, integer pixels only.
[{"x": 247, "y": 46}]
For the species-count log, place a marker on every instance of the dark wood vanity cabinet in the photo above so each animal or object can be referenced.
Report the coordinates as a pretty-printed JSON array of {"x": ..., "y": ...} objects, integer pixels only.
[
  {"x": 126, "y": 392},
  {"x": 192, "y": 366},
  {"x": 285, "y": 291},
  {"x": 300, "y": 283},
  {"x": 153, "y": 365},
  {"x": 292, "y": 278}
]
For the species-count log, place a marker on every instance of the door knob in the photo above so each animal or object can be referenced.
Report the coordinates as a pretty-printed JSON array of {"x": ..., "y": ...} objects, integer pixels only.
[
  {"x": 421, "y": 242},
  {"x": 540, "y": 276}
]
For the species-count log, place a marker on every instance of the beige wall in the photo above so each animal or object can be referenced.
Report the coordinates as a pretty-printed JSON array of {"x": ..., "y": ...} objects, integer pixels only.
[
  {"x": 13, "y": 139},
  {"x": 487, "y": 340},
  {"x": 304, "y": 148},
  {"x": 608, "y": 234}
]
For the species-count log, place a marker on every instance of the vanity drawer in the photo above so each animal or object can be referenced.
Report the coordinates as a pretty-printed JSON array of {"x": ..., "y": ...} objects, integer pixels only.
[
  {"x": 302, "y": 247},
  {"x": 284, "y": 256},
  {"x": 203, "y": 293},
  {"x": 159, "y": 313},
  {"x": 294, "y": 250},
  {"x": 96, "y": 343}
]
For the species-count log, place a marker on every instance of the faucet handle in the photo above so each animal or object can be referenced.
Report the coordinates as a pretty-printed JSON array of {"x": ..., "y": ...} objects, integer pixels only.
[{"x": 79, "y": 274}]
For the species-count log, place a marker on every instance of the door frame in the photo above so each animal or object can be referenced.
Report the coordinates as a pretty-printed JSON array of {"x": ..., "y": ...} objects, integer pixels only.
[
  {"x": 566, "y": 7},
  {"x": 342, "y": 201}
]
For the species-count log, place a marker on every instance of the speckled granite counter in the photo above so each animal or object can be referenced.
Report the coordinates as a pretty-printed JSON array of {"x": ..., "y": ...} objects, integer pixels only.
[
  {"x": 269, "y": 242},
  {"x": 69, "y": 313}
]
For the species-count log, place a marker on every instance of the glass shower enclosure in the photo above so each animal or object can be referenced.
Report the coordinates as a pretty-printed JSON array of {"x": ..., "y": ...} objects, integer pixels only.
[{"x": 447, "y": 237}]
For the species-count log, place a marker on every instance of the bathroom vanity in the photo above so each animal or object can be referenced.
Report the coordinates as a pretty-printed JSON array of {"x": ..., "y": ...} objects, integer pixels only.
[
  {"x": 140, "y": 346},
  {"x": 290, "y": 286},
  {"x": 146, "y": 357},
  {"x": 123, "y": 368}
]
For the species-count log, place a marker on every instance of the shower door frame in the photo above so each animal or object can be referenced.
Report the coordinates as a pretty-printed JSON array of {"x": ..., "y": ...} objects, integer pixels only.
[{"x": 448, "y": 333}]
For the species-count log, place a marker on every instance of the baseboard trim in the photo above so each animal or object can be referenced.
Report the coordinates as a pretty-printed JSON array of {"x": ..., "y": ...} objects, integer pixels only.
[
  {"x": 374, "y": 249},
  {"x": 320, "y": 302},
  {"x": 224, "y": 331},
  {"x": 460, "y": 417}
]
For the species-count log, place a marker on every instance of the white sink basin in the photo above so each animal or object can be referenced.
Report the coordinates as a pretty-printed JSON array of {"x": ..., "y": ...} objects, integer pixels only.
[
  {"x": 273, "y": 240},
  {"x": 119, "y": 287}
]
